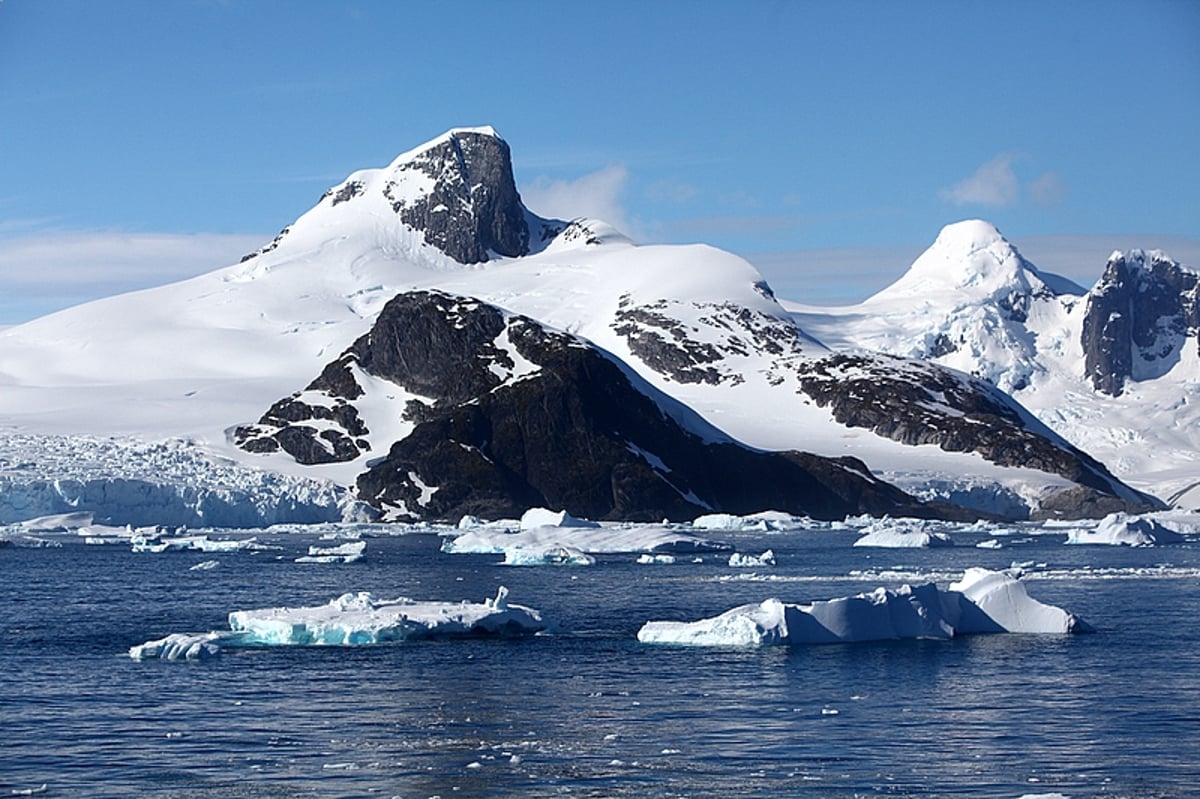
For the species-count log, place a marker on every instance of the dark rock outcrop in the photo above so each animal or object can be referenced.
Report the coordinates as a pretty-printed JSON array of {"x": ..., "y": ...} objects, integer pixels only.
[
  {"x": 473, "y": 207},
  {"x": 1138, "y": 319},
  {"x": 576, "y": 431},
  {"x": 917, "y": 402}
]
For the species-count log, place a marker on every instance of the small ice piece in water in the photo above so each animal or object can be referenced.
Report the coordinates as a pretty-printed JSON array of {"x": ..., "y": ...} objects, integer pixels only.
[
  {"x": 156, "y": 542},
  {"x": 177, "y": 646},
  {"x": 205, "y": 565},
  {"x": 982, "y": 602},
  {"x": 738, "y": 560},
  {"x": 554, "y": 555},
  {"x": 593, "y": 540},
  {"x": 1121, "y": 529},
  {"x": 902, "y": 533},
  {"x": 649, "y": 559},
  {"x": 350, "y": 552},
  {"x": 991, "y": 543}
]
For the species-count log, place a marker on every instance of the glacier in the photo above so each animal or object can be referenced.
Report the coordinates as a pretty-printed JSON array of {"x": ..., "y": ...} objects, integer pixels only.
[{"x": 983, "y": 601}]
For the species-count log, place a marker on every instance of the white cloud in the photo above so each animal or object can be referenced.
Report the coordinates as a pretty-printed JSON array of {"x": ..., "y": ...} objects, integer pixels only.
[
  {"x": 993, "y": 184},
  {"x": 596, "y": 195},
  {"x": 46, "y": 271},
  {"x": 1048, "y": 190}
]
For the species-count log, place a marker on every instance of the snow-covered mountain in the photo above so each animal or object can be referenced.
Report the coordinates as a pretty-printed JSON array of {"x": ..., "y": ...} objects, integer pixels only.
[
  {"x": 1114, "y": 369},
  {"x": 204, "y": 359}
]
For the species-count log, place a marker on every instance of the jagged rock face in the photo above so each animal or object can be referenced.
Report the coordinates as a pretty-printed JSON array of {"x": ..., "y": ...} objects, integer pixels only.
[
  {"x": 571, "y": 428},
  {"x": 916, "y": 402},
  {"x": 473, "y": 207},
  {"x": 1138, "y": 319}
]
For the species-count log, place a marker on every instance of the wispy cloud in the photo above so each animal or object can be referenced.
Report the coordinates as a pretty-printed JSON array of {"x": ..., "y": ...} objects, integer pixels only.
[
  {"x": 49, "y": 270},
  {"x": 994, "y": 184},
  {"x": 1048, "y": 190},
  {"x": 597, "y": 195}
]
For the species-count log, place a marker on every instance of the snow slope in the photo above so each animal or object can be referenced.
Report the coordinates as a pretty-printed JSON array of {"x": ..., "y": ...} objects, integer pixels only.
[
  {"x": 972, "y": 302},
  {"x": 192, "y": 360}
]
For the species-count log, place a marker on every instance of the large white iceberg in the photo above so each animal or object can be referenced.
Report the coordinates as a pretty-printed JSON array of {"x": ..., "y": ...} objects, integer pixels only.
[
  {"x": 1122, "y": 529},
  {"x": 357, "y": 619},
  {"x": 592, "y": 540},
  {"x": 982, "y": 602}
]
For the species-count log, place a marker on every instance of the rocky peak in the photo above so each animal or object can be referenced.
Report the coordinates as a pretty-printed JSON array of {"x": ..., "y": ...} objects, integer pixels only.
[
  {"x": 459, "y": 191},
  {"x": 1138, "y": 319}
]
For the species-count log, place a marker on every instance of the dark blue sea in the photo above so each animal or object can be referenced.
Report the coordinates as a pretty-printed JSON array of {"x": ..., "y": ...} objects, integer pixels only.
[{"x": 588, "y": 711}]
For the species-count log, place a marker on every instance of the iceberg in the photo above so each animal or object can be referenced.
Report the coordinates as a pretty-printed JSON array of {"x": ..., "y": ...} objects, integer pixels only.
[
  {"x": 591, "y": 540},
  {"x": 349, "y": 552},
  {"x": 902, "y": 533},
  {"x": 555, "y": 555},
  {"x": 542, "y": 517},
  {"x": 196, "y": 543},
  {"x": 738, "y": 560},
  {"x": 982, "y": 602},
  {"x": 353, "y": 619},
  {"x": 180, "y": 646},
  {"x": 1120, "y": 529},
  {"x": 986, "y": 601}
]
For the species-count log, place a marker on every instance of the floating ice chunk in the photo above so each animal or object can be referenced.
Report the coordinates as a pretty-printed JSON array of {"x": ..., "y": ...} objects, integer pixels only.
[
  {"x": 902, "y": 533},
  {"x": 766, "y": 520},
  {"x": 982, "y": 602},
  {"x": 985, "y": 601},
  {"x": 360, "y": 619},
  {"x": 349, "y": 552},
  {"x": 592, "y": 540},
  {"x": 739, "y": 560},
  {"x": 186, "y": 646},
  {"x": 541, "y": 517},
  {"x": 1123, "y": 529},
  {"x": 207, "y": 565},
  {"x": 648, "y": 559},
  {"x": 991, "y": 543},
  {"x": 198, "y": 543},
  {"x": 555, "y": 555},
  {"x": 357, "y": 619}
]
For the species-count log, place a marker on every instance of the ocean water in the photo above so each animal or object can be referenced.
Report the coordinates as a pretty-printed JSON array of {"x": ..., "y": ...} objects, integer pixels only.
[{"x": 588, "y": 711}]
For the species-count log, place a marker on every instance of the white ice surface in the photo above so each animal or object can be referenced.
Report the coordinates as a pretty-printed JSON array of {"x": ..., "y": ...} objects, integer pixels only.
[
  {"x": 903, "y": 533},
  {"x": 607, "y": 538},
  {"x": 1121, "y": 529},
  {"x": 982, "y": 602},
  {"x": 354, "y": 619}
]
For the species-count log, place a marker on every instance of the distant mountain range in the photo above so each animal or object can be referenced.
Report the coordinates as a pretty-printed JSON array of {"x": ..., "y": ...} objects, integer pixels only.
[
  {"x": 1114, "y": 369},
  {"x": 421, "y": 335}
]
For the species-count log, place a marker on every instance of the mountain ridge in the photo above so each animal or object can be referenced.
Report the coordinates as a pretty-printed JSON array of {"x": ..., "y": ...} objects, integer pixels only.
[{"x": 700, "y": 325}]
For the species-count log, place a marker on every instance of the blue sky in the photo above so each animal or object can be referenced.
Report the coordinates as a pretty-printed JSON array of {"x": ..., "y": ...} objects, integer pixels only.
[{"x": 827, "y": 142}]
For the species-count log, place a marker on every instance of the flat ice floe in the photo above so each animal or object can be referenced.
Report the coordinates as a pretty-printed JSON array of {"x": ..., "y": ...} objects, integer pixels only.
[
  {"x": 1120, "y": 529},
  {"x": 358, "y": 619},
  {"x": 982, "y": 601}
]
